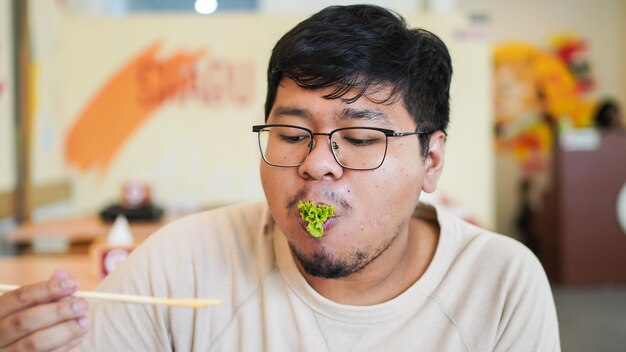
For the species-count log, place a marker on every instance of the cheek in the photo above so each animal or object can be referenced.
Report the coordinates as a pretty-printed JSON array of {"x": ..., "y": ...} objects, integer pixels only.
[
  {"x": 406, "y": 168},
  {"x": 395, "y": 186},
  {"x": 279, "y": 185},
  {"x": 270, "y": 181}
]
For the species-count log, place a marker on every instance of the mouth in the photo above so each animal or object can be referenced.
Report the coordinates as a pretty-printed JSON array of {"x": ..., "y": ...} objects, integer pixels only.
[
  {"x": 320, "y": 207},
  {"x": 327, "y": 225},
  {"x": 316, "y": 217}
]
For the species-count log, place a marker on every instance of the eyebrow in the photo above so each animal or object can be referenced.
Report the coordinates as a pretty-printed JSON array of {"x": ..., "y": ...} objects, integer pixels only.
[
  {"x": 346, "y": 114},
  {"x": 291, "y": 111},
  {"x": 364, "y": 114}
]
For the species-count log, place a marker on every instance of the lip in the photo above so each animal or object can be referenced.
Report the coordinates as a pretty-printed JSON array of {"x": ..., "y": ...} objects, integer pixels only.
[{"x": 328, "y": 224}]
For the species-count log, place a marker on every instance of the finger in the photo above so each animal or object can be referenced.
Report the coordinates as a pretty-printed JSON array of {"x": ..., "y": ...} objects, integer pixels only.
[
  {"x": 52, "y": 338},
  {"x": 39, "y": 317},
  {"x": 74, "y": 343},
  {"x": 60, "y": 285}
]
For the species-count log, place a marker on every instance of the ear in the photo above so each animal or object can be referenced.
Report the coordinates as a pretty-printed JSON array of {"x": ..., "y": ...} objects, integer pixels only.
[{"x": 433, "y": 165}]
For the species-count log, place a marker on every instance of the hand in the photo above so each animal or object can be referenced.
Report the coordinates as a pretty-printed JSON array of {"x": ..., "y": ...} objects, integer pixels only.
[{"x": 43, "y": 316}]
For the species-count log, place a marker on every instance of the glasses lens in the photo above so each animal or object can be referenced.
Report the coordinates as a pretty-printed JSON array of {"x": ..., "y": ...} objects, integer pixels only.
[
  {"x": 284, "y": 146},
  {"x": 359, "y": 148}
]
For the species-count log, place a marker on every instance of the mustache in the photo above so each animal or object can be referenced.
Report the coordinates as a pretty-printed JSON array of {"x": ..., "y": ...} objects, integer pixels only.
[
  {"x": 293, "y": 201},
  {"x": 329, "y": 194}
]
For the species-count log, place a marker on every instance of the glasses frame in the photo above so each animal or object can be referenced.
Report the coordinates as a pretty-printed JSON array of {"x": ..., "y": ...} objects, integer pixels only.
[{"x": 387, "y": 132}]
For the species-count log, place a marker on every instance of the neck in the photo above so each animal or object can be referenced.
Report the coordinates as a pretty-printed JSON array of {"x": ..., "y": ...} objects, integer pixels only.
[{"x": 395, "y": 270}]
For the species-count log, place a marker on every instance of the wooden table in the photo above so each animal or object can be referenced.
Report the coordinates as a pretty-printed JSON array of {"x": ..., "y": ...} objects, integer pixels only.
[
  {"x": 78, "y": 230},
  {"x": 60, "y": 235},
  {"x": 27, "y": 269}
]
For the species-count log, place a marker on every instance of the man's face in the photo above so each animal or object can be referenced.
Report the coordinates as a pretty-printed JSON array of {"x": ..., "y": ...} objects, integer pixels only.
[{"x": 372, "y": 208}]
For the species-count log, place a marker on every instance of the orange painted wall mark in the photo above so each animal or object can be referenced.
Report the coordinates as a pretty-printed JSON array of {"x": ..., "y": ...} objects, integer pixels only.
[{"x": 123, "y": 104}]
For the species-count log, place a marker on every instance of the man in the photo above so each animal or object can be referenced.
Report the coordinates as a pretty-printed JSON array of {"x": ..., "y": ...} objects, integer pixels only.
[{"x": 356, "y": 113}]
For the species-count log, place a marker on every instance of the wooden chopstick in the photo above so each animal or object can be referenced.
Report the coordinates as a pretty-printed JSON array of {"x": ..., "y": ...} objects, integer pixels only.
[{"x": 116, "y": 297}]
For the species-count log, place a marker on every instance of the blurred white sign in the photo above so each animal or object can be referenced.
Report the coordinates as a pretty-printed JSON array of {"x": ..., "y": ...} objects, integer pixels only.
[
  {"x": 580, "y": 139},
  {"x": 621, "y": 208}
]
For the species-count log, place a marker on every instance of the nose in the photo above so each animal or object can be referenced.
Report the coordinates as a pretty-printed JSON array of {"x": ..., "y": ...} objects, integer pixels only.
[{"x": 320, "y": 163}]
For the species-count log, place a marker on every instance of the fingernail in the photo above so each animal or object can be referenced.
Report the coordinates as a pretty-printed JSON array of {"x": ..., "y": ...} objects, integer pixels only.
[
  {"x": 69, "y": 283},
  {"x": 83, "y": 322},
  {"x": 80, "y": 306},
  {"x": 60, "y": 275}
]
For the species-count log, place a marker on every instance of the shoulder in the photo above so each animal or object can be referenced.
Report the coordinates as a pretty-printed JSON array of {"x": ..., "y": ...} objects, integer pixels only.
[
  {"x": 482, "y": 247},
  {"x": 209, "y": 254},
  {"x": 209, "y": 239},
  {"x": 493, "y": 264},
  {"x": 241, "y": 214},
  {"x": 216, "y": 224},
  {"x": 198, "y": 247},
  {"x": 474, "y": 257},
  {"x": 494, "y": 287}
]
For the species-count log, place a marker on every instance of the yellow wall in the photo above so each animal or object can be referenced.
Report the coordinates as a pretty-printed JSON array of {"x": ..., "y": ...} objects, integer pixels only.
[
  {"x": 196, "y": 153},
  {"x": 189, "y": 173}
]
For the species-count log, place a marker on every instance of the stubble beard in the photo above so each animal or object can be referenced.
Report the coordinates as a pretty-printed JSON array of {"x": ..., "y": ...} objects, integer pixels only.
[
  {"x": 322, "y": 263},
  {"x": 325, "y": 264}
]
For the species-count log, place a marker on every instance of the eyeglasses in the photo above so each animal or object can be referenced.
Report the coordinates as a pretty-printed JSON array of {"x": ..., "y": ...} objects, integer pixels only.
[{"x": 354, "y": 148}]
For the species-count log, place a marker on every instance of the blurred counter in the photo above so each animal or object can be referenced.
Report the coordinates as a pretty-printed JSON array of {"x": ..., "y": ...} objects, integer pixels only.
[
  {"x": 65, "y": 235},
  {"x": 27, "y": 269}
]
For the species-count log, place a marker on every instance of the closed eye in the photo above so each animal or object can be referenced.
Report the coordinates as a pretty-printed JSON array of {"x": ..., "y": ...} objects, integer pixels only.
[
  {"x": 361, "y": 142},
  {"x": 293, "y": 138}
]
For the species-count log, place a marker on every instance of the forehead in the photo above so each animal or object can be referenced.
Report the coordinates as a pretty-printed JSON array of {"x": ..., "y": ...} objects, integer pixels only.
[{"x": 376, "y": 105}]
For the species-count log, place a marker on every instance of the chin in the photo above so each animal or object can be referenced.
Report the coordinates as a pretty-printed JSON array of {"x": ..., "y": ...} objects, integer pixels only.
[{"x": 322, "y": 263}]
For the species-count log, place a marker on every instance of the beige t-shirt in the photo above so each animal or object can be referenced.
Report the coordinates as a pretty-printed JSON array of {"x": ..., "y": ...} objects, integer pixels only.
[{"x": 481, "y": 292}]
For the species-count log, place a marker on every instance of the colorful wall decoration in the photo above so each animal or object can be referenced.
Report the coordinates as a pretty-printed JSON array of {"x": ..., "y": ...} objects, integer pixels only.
[
  {"x": 144, "y": 84},
  {"x": 537, "y": 91}
]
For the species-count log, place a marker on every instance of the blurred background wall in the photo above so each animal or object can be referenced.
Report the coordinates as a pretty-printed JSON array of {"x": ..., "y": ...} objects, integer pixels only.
[
  {"x": 597, "y": 40},
  {"x": 116, "y": 91},
  {"x": 168, "y": 98},
  {"x": 96, "y": 93}
]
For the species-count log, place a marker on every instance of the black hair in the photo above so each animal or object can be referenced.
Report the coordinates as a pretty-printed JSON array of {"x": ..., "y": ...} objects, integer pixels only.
[
  {"x": 367, "y": 47},
  {"x": 607, "y": 114}
]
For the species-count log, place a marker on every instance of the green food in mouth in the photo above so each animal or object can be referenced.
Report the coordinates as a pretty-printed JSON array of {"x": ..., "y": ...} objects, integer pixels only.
[{"x": 315, "y": 215}]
